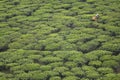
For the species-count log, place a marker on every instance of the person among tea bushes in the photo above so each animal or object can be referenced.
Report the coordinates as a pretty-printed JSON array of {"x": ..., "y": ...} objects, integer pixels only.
[{"x": 95, "y": 18}]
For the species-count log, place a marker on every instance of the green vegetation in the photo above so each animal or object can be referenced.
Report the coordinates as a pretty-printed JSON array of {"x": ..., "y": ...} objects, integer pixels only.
[{"x": 57, "y": 40}]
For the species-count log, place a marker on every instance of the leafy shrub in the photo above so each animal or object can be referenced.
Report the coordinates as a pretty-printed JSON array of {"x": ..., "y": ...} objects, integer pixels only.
[
  {"x": 111, "y": 76},
  {"x": 89, "y": 46},
  {"x": 65, "y": 55},
  {"x": 55, "y": 78},
  {"x": 15, "y": 68},
  {"x": 104, "y": 70},
  {"x": 45, "y": 68},
  {"x": 111, "y": 46},
  {"x": 67, "y": 73},
  {"x": 67, "y": 46},
  {"x": 94, "y": 74},
  {"x": 25, "y": 61},
  {"x": 3, "y": 43},
  {"x": 95, "y": 63},
  {"x": 113, "y": 29},
  {"x": 50, "y": 59},
  {"x": 70, "y": 64},
  {"x": 73, "y": 38},
  {"x": 91, "y": 1},
  {"x": 98, "y": 53},
  {"x": 3, "y": 78},
  {"x": 78, "y": 58},
  {"x": 88, "y": 68},
  {"x": 51, "y": 73},
  {"x": 1, "y": 74},
  {"x": 84, "y": 37},
  {"x": 90, "y": 56},
  {"x": 28, "y": 67},
  {"x": 12, "y": 64},
  {"x": 52, "y": 47},
  {"x": 78, "y": 72},
  {"x": 23, "y": 76},
  {"x": 63, "y": 6},
  {"x": 110, "y": 63},
  {"x": 68, "y": 1},
  {"x": 24, "y": 41},
  {"x": 39, "y": 76},
  {"x": 16, "y": 45},
  {"x": 34, "y": 57},
  {"x": 4, "y": 25},
  {"x": 106, "y": 57},
  {"x": 60, "y": 69},
  {"x": 70, "y": 78},
  {"x": 82, "y": 0},
  {"x": 56, "y": 64},
  {"x": 103, "y": 38},
  {"x": 84, "y": 78}
]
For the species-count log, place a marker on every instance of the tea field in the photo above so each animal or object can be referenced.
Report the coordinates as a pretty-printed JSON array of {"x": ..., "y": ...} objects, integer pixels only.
[{"x": 58, "y": 40}]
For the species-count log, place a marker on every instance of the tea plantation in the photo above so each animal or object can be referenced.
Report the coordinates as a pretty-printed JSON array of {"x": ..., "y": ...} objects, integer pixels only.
[{"x": 58, "y": 40}]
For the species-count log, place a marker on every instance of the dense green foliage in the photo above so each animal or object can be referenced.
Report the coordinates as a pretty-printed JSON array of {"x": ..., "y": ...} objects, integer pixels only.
[{"x": 57, "y": 40}]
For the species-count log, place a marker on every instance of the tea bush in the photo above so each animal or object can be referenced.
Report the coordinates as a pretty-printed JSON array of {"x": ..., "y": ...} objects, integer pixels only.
[{"x": 58, "y": 40}]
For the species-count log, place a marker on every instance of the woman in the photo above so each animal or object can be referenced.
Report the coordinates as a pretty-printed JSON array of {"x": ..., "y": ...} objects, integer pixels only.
[{"x": 95, "y": 18}]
